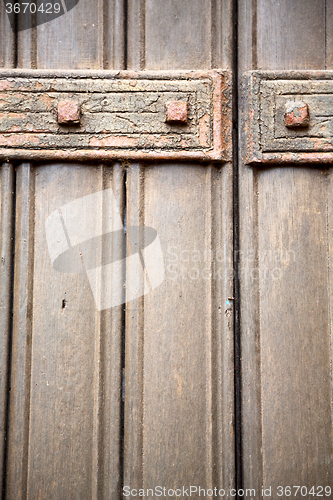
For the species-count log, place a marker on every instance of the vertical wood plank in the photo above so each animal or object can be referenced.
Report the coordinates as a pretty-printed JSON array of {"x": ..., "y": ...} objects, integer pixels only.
[
  {"x": 7, "y": 40},
  {"x": 26, "y": 41},
  {"x": 7, "y": 208},
  {"x": 174, "y": 35},
  {"x": 19, "y": 415},
  {"x": 110, "y": 440},
  {"x": 291, "y": 34},
  {"x": 285, "y": 332},
  {"x": 179, "y": 353},
  {"x": 329, "y": 35},
  {"x": 136, "y": 37},
  {"x": 134, "y": 340},
  {"x": 179, "y": 340},
  {"x": 70, "y": 378},
  {"x": 82, "y": 38},
  {"x": 6, "y": 273},
  {"x": 65, "y": 410},
  {"x": 295, "y": 353}
]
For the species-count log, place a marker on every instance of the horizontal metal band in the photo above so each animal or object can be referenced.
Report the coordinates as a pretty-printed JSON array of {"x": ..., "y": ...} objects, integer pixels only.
[
  {"x": 289, "y": 117},
  {"x": 100, "y": 115}
]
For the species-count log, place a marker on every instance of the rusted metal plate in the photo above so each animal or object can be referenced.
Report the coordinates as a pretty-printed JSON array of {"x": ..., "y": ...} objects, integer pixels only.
[
  {"x": 109, "y": 114},
  {"x": 290, "y": 117}
]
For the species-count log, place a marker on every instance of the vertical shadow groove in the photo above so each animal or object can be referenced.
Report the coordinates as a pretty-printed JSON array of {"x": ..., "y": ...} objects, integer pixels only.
[
  {"x": 123, "y": 338},
  {"x": 125, "y": 48},
  {"x": 236, "y": 250},
  {"x": 11, "y": 292}
]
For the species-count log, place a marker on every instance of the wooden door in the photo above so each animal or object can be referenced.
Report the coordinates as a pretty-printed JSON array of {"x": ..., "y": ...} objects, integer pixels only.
[
  {"x": 142, "y": 394},
  {"x": 284, "y": 261},
  {"x": 220, "y": 376}
]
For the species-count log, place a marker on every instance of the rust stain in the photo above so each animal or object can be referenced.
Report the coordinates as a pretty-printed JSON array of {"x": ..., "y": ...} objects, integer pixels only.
[
  {"x": 112, "y": 141},
  {"x": 15, "y": 128},
  {"x": 46, "y": 99},
  {"x": 68, "y": 112},
  {"x": 206, "y": 140},
  {"x": 177, "y": 112},
  {"x": 291, "y": 159},
  {"x": 12, "y": 116},
  {"x": 297, "y": 114},
  {"x": 18, "y": 140},
  {"x": 204, "y": 129},
  {"x": 6, "y": 85}
]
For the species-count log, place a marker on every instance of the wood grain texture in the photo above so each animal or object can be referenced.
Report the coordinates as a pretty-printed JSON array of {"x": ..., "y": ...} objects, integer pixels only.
[
  {"x": 83, "y": 38},
  {"x": 295, "y": 352},
  {"x": 179, "y": 35},
  {"x": 329, "y": 35},
  {"x": 65, "y": 406},
  {"x": 22, "y": 335},
  {"x": 179, "y": 346},
  {"x": 284, "y": 264},
  {"x": 7, "y": 40},
  {"x": 66, "y": 367},
  {"x": 290, "y": 34},
  {"x": 179, "y": 353},
  {"x": 6, "y": 274}
]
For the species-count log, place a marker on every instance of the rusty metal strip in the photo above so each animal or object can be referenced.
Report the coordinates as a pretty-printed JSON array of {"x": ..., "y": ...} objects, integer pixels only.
[
  {"x": 289, "y": 117},
  {"x": 107, "y": 115}
]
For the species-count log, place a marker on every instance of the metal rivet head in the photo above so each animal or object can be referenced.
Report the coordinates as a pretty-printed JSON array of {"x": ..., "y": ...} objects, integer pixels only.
[
  {"x": 297, "y": 114},
  {"x": 68, "y": 112},
  {"x": 177, "y": 112}
]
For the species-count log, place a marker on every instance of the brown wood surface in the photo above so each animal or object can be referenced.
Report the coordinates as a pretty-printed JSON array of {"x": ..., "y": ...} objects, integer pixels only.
[
  {"x": 179, "y": 346},
  {"x": 285, "y": 273},
  {"x": 7, "y": 41},
  {"x": 66, "y": 362},
  {"x": 179, "y": 356},
  {"x": 90, "y": 36},
  {"x": 6, "y": 274},
  {"x": 65, "y": 405},
  {"x": 7, "y": 203}
]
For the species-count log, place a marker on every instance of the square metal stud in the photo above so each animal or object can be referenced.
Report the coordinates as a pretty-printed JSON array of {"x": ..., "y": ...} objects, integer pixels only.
[
  {"x": 297, "y": 114},
  {"x": 177, "y": 112},
  {"x": 68, "y": 112}
]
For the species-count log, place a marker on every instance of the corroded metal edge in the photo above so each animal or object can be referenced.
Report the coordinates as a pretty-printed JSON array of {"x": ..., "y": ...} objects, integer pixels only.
[
  {"x": 250, "y": 88},
  {"x": 221, "y": 117},
  {"x": 292, "y": 159}
]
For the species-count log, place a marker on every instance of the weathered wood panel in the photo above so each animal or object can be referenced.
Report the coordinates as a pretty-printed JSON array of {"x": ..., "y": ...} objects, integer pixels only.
[
  {"x": 329, "y": 35},
  {"x": 90, "y": 36},
  {"x": 179, "y": 356},
  {"x": 179, "y": 342},
  {"x": 192, "y": 34},
  {"x": 6, "y": 274},
  {"x": 65, "y": 397},
  {"x": 284, "y": 276},
  {"x": 7, "y": 203},
  {"x": 290, "y": 34},
  {"x": 295, "y": 327},
  {"x": 7, "y": 41},
  {"x": 65, "y": 405}
]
